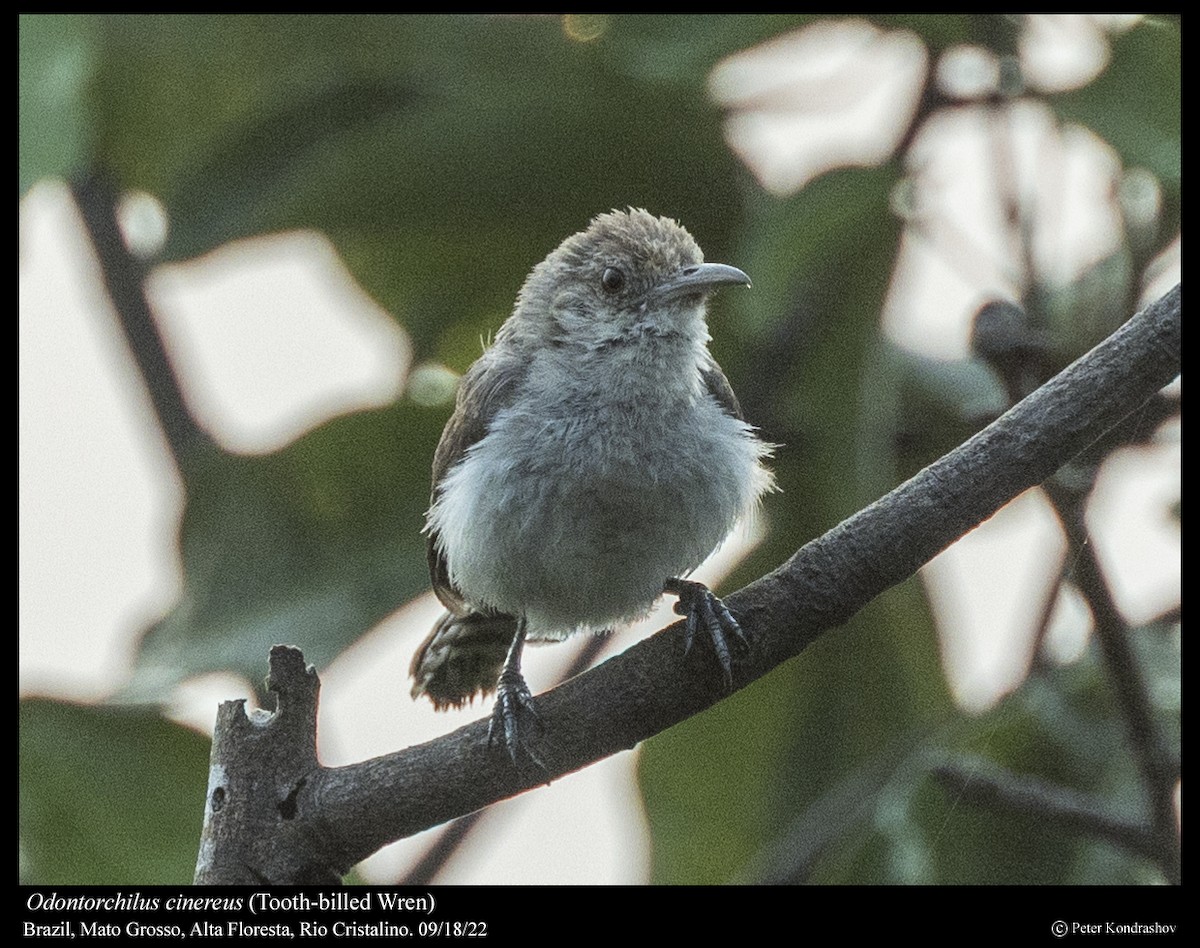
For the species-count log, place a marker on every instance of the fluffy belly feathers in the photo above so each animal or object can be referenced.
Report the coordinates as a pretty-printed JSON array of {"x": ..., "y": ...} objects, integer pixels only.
[{"x": 577, "y": 525}]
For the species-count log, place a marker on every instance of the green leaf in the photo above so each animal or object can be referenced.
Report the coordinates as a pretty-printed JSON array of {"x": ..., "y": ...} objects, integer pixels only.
[
  {"x": 940, "y": 31},
  {"x": 1062, "y": 728},
  {"x": 930, "y": 408},
  {"x": 838, "y": 813},
  {"x": 56, "y": 57},
  {"x": 108, "y": 796},
  {"x": 310, "y": 546},
  {"x": 1135, "y": 104}
]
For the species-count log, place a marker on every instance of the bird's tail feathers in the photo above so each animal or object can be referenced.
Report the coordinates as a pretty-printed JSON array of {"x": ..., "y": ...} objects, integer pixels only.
[{"x": 461, "y": 658}]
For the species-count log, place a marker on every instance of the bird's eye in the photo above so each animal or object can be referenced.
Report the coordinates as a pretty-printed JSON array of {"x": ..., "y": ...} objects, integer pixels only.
[{"x": 612, "y": 279}]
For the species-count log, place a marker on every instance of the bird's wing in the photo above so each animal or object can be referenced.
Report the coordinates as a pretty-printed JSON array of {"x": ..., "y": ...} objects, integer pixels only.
[
  {"x": 719, "y": 388},
  {"x": 489, "y": 386}
]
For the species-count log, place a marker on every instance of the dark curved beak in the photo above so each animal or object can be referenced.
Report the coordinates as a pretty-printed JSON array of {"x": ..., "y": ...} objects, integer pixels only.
[{"x": 700, "y": 278}]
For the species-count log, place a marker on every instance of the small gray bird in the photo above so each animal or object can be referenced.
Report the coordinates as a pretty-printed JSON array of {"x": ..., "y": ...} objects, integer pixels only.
[{"x": 596, "y": 456}]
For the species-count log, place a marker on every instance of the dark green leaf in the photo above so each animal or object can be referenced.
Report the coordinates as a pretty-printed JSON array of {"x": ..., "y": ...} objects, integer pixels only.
[
  {"x": 310, "y": 546},
  {"x": 940, "y": 31},
  {"x": 56, "y": 56},
  {"x": 1135, "y": 105},
  {"x": 108, "y": 796},
  {"x": 1062, "y": 729}
]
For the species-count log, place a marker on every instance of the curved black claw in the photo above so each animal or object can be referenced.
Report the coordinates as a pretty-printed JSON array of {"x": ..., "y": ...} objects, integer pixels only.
[
  {"x": 513, "y": 718},
  {"x": 704, "y": 609}
]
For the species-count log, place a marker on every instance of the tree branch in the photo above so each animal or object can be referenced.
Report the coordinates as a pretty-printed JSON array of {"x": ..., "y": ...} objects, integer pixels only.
[
  {"x": 1157, "y": 765},
  {"x": 442, "y": 850},
  {"x": 352, "y": 811},
  {"x": 123, "y": 276},
  {"x": 982, "y": 783}
]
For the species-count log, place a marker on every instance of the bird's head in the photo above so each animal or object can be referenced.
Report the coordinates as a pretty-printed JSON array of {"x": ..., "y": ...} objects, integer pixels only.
[{"x": 628, "y": 276}]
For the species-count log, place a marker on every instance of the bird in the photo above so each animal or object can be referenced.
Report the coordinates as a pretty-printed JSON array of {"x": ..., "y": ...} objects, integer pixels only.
[{"x": 595, "y": 457}]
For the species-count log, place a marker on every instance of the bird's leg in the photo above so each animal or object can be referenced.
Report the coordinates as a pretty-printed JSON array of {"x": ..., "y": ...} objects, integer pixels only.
[
  {"x": 514, "y": 709},
  {"x": 704, "y": 610}
]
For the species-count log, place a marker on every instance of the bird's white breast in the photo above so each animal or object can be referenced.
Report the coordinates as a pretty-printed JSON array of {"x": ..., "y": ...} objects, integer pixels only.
[{"x": 575, "y": 515}]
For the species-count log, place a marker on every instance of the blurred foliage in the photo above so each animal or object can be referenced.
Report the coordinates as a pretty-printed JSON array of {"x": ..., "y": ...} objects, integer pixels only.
[
  {"x": 108, "y": 795},
  {"x": 312, "y": 544},
  {"x": 445, "y": 156},
  {"x": 55, "y": 60},
  {"x": 1134, "y": 105}
]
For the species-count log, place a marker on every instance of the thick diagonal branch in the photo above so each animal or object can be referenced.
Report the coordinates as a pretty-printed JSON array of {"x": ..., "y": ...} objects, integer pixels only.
[{"x": 654, "y": 685}]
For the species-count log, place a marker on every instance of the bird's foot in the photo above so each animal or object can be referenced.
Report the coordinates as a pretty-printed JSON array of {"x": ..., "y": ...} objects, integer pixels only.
[
  {"x": 513, "y": 718},
  {"x": 705, "y": 610}
]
